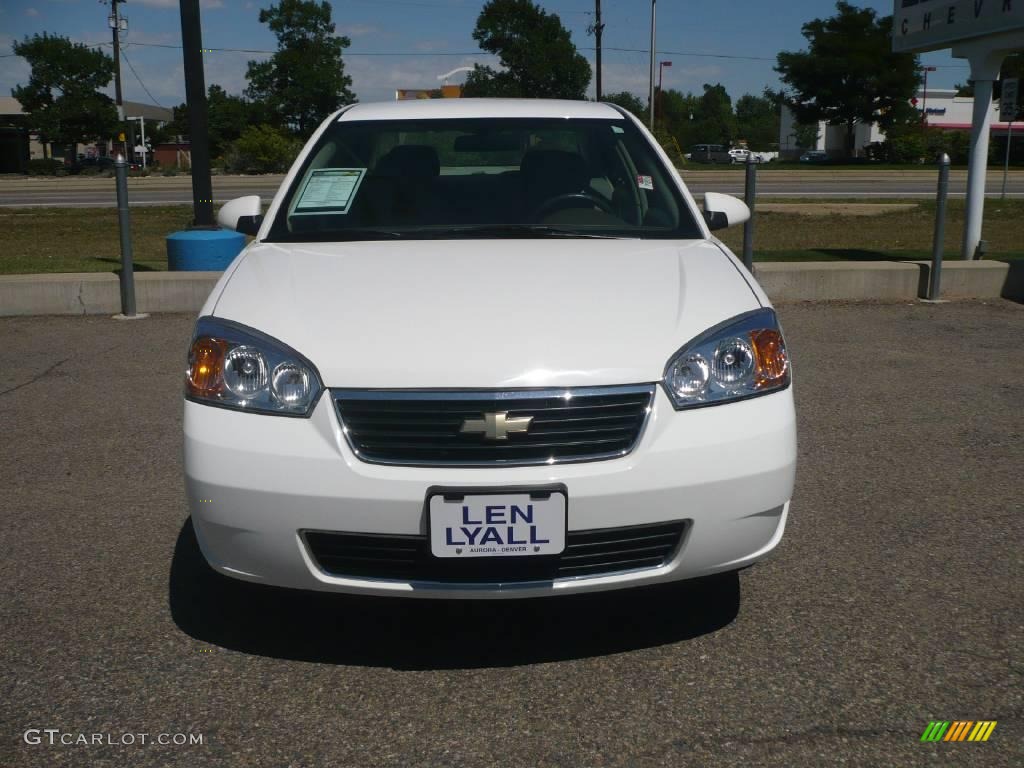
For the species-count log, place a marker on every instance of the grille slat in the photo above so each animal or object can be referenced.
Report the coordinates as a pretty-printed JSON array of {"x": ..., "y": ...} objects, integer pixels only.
[
  {"x": 408, "y": 558},
  {"x": 424, "y": 427}
]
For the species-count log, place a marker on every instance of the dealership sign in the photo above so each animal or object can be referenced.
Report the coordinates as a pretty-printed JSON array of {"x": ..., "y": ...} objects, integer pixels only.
[{"x": 926, "y": 25}]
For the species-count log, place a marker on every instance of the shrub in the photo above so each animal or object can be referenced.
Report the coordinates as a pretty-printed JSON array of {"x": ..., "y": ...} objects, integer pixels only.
[
  {"x": 261, "y": 149},
  {"x": 47, "y": 167}
]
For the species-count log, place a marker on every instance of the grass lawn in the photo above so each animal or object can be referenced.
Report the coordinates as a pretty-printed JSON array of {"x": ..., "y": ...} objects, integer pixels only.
[
  {"x": 899, "y": 234},
  {"x": 86, "y": 239}
]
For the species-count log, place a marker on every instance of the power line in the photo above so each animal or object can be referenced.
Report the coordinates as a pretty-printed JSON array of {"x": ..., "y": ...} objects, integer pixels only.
[
  {"x": 344, "y": 54},
  {"x": 151, "y": 96},
  {"x": 480, "y": 53}
]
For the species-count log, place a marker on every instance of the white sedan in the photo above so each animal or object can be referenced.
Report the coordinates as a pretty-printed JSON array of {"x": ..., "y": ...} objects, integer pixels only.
[{"x": 486, "y": 349}]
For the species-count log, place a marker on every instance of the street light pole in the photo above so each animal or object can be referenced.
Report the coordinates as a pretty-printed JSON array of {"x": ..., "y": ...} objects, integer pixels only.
[
  {"x": 661, "y": 70},
  {"x": 653, "y": 42},
  {"x": 924, "y": 100}
]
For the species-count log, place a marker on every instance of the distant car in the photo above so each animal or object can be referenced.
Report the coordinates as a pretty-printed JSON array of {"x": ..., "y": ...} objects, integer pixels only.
[
  {"x": 814, "y": 156},
  {"x": 709, "y": 153},
  {"x": 542, "y": 377}
]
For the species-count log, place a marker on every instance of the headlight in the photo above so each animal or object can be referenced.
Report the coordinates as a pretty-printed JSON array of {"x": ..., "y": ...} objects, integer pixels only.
[
  {"x": 237, "y": 367},
  {"x": 743, "y": 357}
]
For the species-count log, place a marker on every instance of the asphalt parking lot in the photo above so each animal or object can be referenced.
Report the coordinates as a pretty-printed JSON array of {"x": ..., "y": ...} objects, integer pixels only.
[{"x": 896, "y": 597}]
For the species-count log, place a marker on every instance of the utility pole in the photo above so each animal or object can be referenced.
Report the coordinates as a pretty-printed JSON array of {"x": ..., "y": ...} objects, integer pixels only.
[
  {"x": 653, "y": 40},
  {"x": 195, "y": 96},
  {"x": 114, "y": 21},
  {"x": 598, "y": 29}
]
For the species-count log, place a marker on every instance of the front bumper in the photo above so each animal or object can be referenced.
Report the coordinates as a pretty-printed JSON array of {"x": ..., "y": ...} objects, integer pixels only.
[{"x": 255, "y": 483}]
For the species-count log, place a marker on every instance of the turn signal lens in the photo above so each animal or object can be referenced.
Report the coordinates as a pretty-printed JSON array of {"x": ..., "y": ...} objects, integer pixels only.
[
  {"x": 205, "y": 367},
  {"x": 772, "y": 361}
]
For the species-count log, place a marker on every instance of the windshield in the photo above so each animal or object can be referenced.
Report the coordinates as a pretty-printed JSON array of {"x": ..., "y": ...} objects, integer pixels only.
[{"x": 486, "y": 177}]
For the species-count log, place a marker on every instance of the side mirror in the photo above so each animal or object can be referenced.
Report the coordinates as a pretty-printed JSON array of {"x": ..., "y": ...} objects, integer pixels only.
[
  {"x": 721, "y": 211},
  {"x": 243, "y": 214}
]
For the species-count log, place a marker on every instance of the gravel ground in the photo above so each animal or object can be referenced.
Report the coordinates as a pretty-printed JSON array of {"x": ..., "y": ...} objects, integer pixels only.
[{"x": 894, "y": 599}]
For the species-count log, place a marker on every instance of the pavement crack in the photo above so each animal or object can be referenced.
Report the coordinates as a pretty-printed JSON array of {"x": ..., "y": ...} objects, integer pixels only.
[{"x": 36, "y": 378}]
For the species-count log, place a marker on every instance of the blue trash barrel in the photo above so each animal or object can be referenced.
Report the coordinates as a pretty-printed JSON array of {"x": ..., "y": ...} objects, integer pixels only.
[{"x": 203, "y": 250}]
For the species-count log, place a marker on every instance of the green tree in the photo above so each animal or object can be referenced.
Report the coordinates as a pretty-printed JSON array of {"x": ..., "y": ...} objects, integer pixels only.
[
  {"x": 227, "y": 117},
  {"x": 535, "y": 50},
  {"x": 627, "y": 101},
  {"x": 849, "y": 73},
  {"x": 757, "y": 120},
  {"x": 304, "y": 80},
  {"x": 62, "y": 97},
  {"x": 806, "y": 135},
  {"x": 714, "y": 120}
]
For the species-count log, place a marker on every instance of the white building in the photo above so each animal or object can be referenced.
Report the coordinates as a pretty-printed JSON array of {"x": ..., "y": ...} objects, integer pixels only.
[{"x": 942, "y": 107}]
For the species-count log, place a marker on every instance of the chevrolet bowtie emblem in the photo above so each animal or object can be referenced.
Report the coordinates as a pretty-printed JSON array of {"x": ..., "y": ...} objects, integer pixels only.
[{"x": 496, "y": 426}]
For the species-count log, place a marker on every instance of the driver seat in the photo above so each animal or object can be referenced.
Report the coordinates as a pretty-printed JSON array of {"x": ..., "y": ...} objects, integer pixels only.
[{"x": 548, "y": 173}]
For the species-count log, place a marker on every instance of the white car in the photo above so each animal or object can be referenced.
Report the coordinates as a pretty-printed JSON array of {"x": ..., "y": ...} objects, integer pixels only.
[{"x": 486, "y": 349}]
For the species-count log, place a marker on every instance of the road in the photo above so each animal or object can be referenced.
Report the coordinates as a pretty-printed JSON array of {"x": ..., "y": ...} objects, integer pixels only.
[
  {"x": 159, "y": 190},
  {"x": 895, "y": 598}
]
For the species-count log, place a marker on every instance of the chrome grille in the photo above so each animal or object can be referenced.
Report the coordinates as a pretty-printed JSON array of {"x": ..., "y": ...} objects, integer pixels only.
[{"x": 423, "y": 428}]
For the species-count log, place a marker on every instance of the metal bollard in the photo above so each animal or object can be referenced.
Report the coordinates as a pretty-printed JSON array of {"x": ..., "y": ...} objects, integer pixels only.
[
  {"x": 748, "y": 227},
  {"x": 127, "y": 277},
  {"x": 935, "y": 278}
]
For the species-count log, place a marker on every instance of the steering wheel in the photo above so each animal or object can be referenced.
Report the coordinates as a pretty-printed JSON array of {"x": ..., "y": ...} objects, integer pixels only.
[{"x": 572, "y": 199}]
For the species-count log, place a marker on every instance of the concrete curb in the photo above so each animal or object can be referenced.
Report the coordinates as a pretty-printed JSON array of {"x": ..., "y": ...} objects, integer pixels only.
[{"x": 98, "y": 293}]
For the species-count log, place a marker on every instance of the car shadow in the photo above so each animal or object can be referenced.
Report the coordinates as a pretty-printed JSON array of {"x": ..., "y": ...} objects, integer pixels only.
[{"x": 413, "y": 634}]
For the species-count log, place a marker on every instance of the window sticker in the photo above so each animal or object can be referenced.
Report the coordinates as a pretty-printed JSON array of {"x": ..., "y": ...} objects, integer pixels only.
[
  {"x": 645, "y": 182},
  {"x": 329, "y": 190}
]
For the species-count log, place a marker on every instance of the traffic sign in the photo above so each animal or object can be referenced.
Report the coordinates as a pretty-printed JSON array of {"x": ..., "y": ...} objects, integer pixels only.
[{"x": 1009, "y": 104}]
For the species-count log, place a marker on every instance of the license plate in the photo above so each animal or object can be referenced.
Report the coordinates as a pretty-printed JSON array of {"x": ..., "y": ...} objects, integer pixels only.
[{"x": 499, "y": 524}]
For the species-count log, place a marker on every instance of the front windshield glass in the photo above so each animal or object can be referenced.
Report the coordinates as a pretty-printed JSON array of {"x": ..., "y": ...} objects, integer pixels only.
[{"x": 486, "y": 177}]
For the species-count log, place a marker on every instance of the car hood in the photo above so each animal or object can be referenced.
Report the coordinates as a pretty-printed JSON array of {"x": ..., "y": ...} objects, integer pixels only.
[{"x": 485, "y": 313}]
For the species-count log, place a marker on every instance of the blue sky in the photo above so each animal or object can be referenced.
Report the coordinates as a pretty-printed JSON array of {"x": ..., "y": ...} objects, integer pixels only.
[{"x": 438, "y": 35}]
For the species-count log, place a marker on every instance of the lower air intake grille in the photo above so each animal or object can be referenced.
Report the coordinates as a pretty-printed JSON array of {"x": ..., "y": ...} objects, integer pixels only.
[
  {"x": 408, "y": 558},
  {"x": 493, "y": 428}
]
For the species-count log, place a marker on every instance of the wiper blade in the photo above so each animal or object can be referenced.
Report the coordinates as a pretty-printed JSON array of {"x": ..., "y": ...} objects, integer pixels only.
[{"x": 514, "y": 231}]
